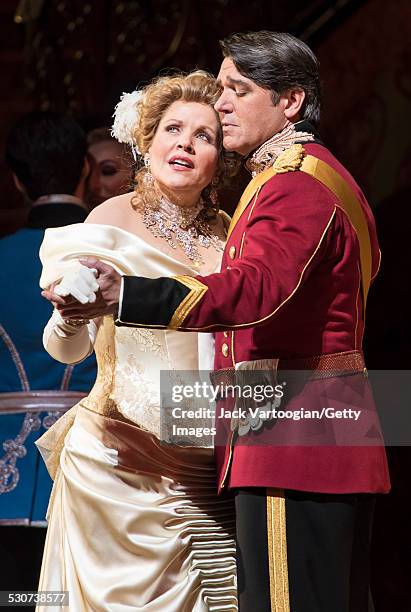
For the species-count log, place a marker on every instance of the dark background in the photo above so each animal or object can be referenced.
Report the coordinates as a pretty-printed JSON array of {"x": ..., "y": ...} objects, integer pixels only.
[{"x": 78, "y": 56}]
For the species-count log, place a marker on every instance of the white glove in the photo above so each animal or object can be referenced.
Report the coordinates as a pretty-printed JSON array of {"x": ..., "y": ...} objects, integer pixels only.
[{"x": 80, "y": 282}]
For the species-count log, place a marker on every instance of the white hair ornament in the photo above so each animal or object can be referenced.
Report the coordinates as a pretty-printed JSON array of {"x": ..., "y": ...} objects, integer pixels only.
[{"x": 125, "y": 119}]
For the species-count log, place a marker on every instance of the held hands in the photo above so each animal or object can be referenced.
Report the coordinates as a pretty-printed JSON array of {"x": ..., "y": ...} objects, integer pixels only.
[
  {"x": 79, "y": 282},
  {"x": 106, "y": 299}
]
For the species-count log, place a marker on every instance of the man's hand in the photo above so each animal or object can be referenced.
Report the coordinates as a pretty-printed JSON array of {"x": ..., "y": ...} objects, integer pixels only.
[
  {"x": 78, "y": 281},
  {"x": 52, "y": 297},
  {"x": 107, "y": 297}
]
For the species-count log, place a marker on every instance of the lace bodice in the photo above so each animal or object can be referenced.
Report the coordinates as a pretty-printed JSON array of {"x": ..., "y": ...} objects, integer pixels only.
[{"x": 129, "y": 365}]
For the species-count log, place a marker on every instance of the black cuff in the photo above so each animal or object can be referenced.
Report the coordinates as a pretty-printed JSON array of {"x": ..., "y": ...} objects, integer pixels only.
[{"x": 150, "y": 302}]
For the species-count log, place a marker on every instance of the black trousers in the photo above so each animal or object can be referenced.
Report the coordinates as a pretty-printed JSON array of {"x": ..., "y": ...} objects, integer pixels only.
[{"x": 303, "y": 552}]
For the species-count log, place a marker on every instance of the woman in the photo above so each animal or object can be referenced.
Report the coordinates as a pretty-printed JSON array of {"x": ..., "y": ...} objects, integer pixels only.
[
  {"x": 134, "y": 525},
  {"x": 110, "y": 167}
]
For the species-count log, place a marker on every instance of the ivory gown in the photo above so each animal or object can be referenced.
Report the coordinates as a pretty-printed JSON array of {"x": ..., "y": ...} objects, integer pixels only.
[{"x": 132, "y": 525}]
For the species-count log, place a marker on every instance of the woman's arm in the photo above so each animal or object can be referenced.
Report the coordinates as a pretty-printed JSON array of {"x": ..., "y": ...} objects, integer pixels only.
[{"x": 69, "y": 342}]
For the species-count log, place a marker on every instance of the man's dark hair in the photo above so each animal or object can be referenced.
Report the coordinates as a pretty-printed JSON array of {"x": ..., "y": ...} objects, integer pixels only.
[
  {"x": 277, "y": 61},
  {"x": 46, "y": 152}
]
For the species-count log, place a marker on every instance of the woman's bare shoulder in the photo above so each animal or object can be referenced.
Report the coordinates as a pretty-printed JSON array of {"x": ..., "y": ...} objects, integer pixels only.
[{"x": 112, "y": 211}]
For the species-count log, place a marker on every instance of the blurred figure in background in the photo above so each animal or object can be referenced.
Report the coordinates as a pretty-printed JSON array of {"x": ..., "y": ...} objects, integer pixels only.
[
  {"x": 46, "y": 153},
  {"x": 111, "y": 167},
  {"x": 111, "y": 172}
]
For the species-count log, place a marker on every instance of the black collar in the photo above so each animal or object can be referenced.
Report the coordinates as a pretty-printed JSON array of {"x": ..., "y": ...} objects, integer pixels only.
[
  {"x": 55, "y": 215},
  {"x": 306, "y": 126}
]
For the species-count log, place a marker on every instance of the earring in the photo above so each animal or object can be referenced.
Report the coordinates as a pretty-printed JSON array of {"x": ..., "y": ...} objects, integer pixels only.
[
  {"x": 213, "y": 190},
  {"x": 209, "y": 198},
  {"x": 148, "y": 177}
]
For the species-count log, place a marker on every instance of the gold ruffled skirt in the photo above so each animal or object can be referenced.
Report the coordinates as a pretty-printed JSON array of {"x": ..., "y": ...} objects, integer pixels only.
[{"x": 134, "y": 525}]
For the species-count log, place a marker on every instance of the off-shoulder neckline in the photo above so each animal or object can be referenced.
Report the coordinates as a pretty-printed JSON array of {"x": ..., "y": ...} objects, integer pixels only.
[{"x": 135, "y": 236}]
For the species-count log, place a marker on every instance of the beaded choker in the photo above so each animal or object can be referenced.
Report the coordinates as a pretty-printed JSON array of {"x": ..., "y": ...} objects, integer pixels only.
[{"x": 186, "y": 227}]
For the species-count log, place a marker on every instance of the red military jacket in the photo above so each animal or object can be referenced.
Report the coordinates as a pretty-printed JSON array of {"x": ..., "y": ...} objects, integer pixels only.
[{"x": 290, "y": 287}]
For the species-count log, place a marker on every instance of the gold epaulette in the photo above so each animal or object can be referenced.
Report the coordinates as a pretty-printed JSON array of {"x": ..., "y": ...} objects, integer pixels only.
[{"x": 289, "y": 160}]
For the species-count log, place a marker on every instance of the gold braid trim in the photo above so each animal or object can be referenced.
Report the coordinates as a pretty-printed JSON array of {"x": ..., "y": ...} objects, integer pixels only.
[
  {"x": 197, "y": 290},
  {"x": 277, "y": 551},
  {"x": 349, "y": 203}
]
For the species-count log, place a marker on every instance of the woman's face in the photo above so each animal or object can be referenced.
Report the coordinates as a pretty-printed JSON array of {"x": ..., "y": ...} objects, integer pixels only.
[
  {"x": 110, "y": 170},
  {"x": 184, "y": 151}
]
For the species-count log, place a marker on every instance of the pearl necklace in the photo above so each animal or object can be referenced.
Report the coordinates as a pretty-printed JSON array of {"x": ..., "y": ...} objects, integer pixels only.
[{"x": 181, "y": 226}]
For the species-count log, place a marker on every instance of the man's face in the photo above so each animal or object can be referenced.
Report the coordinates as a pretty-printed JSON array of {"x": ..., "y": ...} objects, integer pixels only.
[{"x": 246, "y": 110}]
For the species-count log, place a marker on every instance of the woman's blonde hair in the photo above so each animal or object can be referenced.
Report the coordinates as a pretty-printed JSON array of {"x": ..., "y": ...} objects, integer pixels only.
[{"x": 197, "y": 86}]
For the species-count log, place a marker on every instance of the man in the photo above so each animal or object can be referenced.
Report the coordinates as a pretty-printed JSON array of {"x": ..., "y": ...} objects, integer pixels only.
[
  {"x": 300, "y": 255},
  {"x": 46, "y": 153}
]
